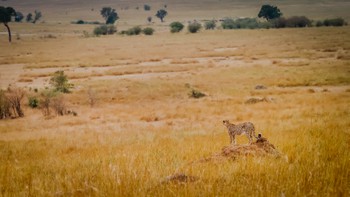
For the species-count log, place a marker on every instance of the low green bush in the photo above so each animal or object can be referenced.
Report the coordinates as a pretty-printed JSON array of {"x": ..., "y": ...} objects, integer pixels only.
[
  {"x": 194, "y": 27},
  {"x": 176, "y": 27},
  {"x": 105, "y": 30},
  {"x": 243, "y": 23},
  {"x": 336, "y": 22},
  {"x": 133, "y": 31},
  {"x": 210, "y": 25},
  {"x": 148, "y": 31},
  {"x": 33, "y": 102},
  {"x": 294, "y": 21}
]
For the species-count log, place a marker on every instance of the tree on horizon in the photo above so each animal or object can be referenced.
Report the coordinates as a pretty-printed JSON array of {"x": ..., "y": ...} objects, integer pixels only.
[
  {"x": 6, "y": 15},
  {"x": 109, "y": 14},
  {"x": 269, "y": 12},
  {"x": 161, "y": 14}
]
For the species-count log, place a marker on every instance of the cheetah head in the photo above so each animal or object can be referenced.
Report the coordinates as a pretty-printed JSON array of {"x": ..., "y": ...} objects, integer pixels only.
[{"x": 225, "y": 122}]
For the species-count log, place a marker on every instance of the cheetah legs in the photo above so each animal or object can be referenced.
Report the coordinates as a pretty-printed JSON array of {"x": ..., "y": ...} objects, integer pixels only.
[{"x": 233, "y": 139}]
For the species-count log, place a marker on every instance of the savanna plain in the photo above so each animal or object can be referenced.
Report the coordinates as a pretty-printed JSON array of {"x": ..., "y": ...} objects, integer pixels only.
[{"x": 145, "y": 127}]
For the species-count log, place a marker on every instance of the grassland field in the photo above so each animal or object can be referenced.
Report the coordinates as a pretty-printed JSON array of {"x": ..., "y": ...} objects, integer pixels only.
[{"x": 144, "y": 126}]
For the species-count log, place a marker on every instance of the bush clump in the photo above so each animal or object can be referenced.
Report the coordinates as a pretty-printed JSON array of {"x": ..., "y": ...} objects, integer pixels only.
[
  {"x": 176, "y": 27},
  {"x": 132, "y": 31},
  {"x": 148, "y": 31},
  {"x": 10, "y": 102},
  {"x": 210, "y": 25},
  {"x": 105, "y": 30},
  {"x": 228, "y": 23},
  {"x": 5, "y": 106},
  {"x": 60, "y": 83},
  {"x": 319, "y": 23},
  {"x": 82, "y": 22},
  {"x": 33, "y": 102},
  {"x": 147, "y": 7},
  {"x": 194, "y": 27},
  {"x": 336, "y": 22},
  {"x": 243, "y": 23},
  {"x": 294, "y": 21}
]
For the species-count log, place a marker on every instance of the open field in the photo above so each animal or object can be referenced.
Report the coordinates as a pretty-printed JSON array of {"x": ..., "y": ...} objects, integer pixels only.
[{"x": 144, "y": 126}]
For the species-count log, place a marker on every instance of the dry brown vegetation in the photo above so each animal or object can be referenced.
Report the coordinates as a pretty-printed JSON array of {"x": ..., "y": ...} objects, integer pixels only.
[{"x": 144, "y": 136}]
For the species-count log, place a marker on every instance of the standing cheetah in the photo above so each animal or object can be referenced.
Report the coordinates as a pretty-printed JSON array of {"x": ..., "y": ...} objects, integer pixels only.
[{"x": 246, "y": 128}]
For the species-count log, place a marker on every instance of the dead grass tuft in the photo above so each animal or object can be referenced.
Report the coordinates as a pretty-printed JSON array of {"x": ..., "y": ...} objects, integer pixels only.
[{"x": 180, "y": 178}]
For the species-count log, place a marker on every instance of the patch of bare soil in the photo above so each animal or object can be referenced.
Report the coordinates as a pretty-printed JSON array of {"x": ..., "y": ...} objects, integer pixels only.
[{"x": 9, "y": 74}]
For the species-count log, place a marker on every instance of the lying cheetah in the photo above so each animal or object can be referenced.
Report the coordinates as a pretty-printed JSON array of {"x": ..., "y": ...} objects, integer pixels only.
[{"x": 246, "y": 128}]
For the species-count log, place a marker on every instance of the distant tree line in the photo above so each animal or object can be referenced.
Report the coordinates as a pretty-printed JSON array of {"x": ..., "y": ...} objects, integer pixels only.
[
  {"x": 272, "y": 15},
  {"x": 9, "y": 13}
]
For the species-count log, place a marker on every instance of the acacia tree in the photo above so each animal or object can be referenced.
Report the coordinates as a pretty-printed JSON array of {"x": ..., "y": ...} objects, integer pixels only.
[
  {"x": 5, "y": 17},
  {"x": 269, "y": 12},
  {"x": 109, "y": 14},
  {"x": 37, "y": 16},
  {"x": 161, "y": 14}
]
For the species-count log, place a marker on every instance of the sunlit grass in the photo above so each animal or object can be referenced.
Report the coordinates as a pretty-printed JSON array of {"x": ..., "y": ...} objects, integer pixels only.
[{"x": 145, "y": 127}]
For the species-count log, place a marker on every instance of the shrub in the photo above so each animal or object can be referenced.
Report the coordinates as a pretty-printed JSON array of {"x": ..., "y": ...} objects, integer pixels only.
[
  {"x": 334, "y": 22},
  {"x": 105, "y": 30},
  {"x": 196, "y": 94},
  {"x": 19, "y": 17},
  {"x": 60, "y": 82},
  {"x": 279, "y": 22},
  {"x": 52, "y": 100},
  {"x": 147, "y": 7},
  {"x": 33, "y": 102},
  {"x": 247, "y": 23},
  {"x": 319, "y": 24},
  {"x": 59, "y": 105},
  {"x": 210, "y": 25},
  {"x": 148, "y": 31},
  {"x": 92, "y": 98},
  {"x": 176, "y": 27},
  {"x": 4, "y": 106},
  {"x": 14, "y": 96},
  {"x": 133, "y": 31},
  {"x": 243, "y": 23},
  {"x": 228, "y": 24},
  {"x": 266, "y": 25},
  {"x": 194, "y": 27},
  {"x": 298, "y": 21},
  {"x": 101, "y": 30},
  {"x": 45, "y": 101},
  {"x": 294, "y": 21},
  {"x": 80, "y": 22}
]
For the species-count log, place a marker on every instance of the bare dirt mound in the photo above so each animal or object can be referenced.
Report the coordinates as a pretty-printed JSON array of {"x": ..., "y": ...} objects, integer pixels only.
[{"x": 261, "y": 148}]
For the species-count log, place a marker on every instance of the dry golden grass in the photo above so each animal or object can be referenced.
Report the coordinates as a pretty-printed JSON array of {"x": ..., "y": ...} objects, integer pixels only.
[{"x": 144, "y": 127}]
